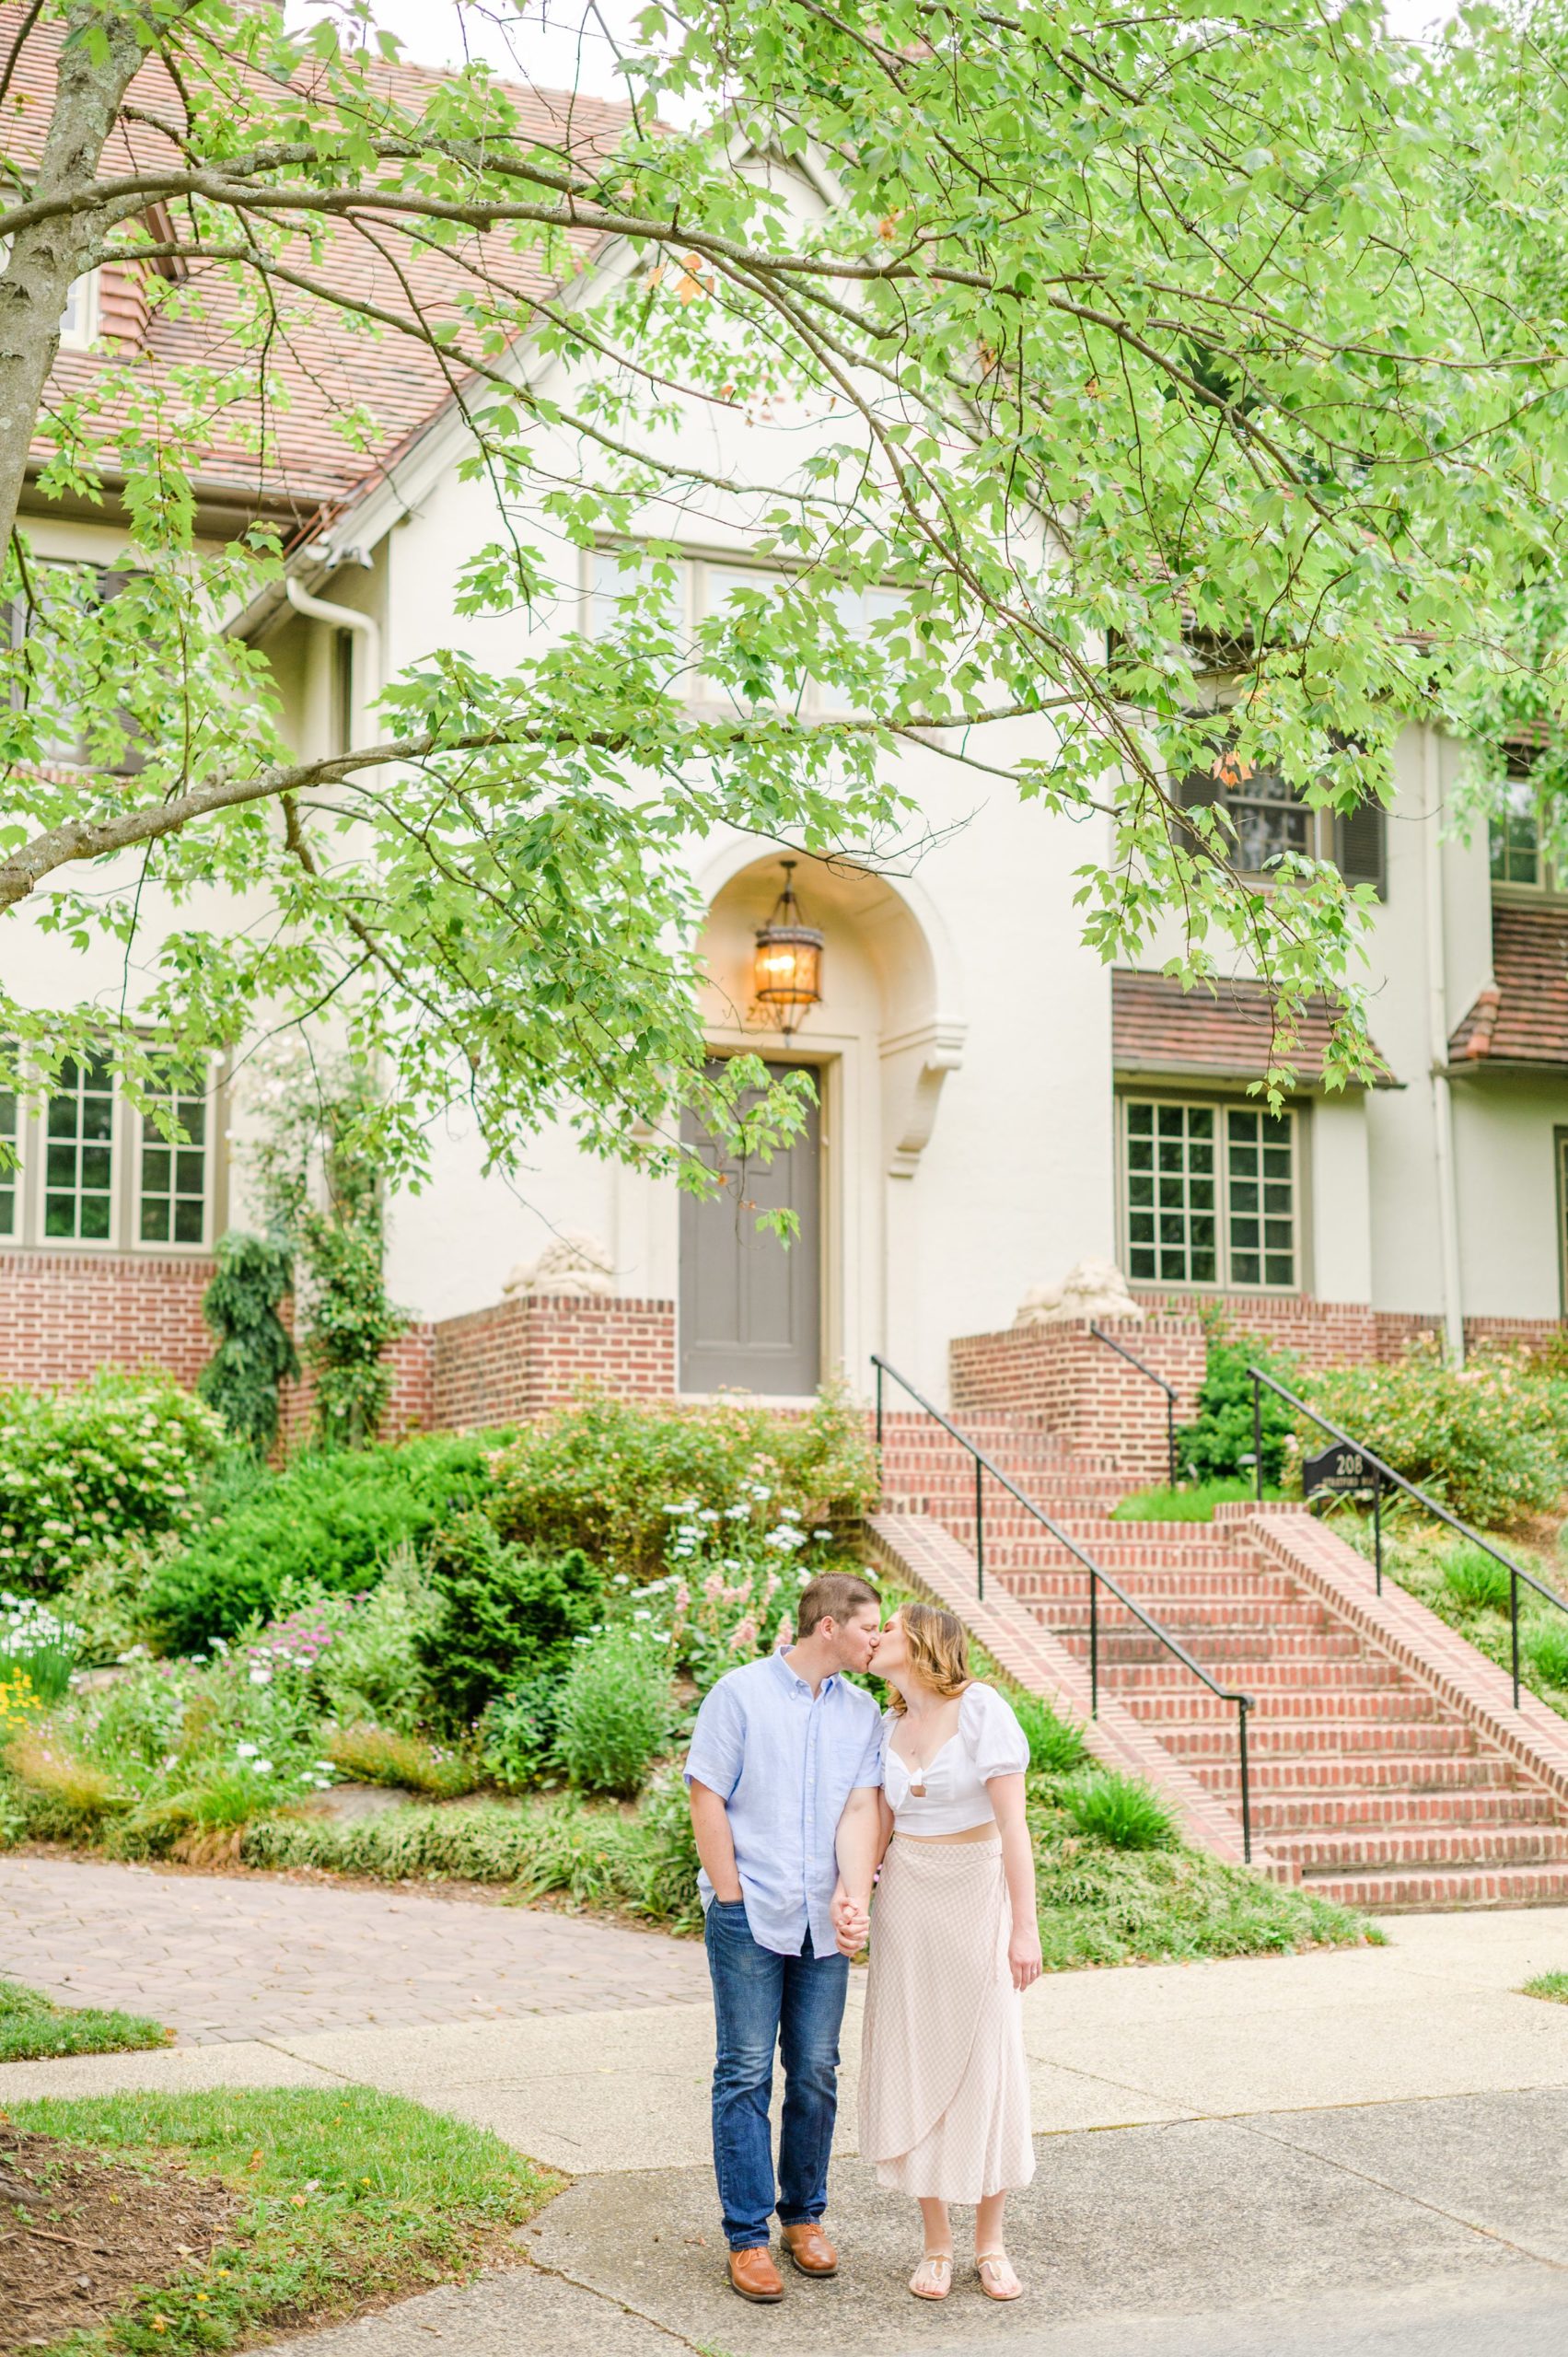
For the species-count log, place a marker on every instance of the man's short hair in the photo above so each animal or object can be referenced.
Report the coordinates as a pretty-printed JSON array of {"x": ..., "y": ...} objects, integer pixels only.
[{"x": 832, "y": 1596}]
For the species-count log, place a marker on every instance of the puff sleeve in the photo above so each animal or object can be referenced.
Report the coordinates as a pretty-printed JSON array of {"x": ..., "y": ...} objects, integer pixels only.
[{"x": 992, "y": 1734}]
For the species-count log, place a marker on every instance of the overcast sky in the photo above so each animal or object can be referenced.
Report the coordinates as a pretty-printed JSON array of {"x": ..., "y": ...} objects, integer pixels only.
[{"x": 567, "y": 44}]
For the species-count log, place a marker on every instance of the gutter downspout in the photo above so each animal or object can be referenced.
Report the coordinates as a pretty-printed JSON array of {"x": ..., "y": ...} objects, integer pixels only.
[
  {"x": 1442, "y": 1090},
  {"x": 366, "y": 668}
]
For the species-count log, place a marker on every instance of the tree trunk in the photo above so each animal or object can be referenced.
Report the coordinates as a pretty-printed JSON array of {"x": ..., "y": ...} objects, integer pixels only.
[{"x": 102, "y": 49}]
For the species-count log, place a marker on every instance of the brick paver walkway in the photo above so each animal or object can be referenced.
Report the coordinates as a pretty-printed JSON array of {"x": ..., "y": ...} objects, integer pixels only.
[{"x": 220, "y": 1957}]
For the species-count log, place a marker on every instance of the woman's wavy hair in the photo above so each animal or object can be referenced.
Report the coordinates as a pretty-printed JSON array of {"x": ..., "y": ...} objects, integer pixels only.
[{"x": 938, "y": 1650}]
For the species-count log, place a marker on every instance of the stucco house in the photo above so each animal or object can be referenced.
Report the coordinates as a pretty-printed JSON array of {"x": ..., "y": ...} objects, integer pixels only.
[{"x": 995, "y": 1105}]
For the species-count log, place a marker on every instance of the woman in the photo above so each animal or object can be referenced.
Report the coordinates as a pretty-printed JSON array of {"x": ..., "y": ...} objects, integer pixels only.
[{"x": 943, "y": 2086}]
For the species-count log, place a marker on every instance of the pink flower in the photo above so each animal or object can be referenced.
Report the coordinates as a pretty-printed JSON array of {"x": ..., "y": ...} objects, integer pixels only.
[
  {"x": 713, "y": 1583},
  {"x": 682, "y": 1597},
  {"x": 743, "y": 1636}
]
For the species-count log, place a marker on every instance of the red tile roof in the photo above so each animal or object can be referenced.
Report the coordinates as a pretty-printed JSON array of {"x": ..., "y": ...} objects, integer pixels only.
[
  {"x": 1522, "y": 1016},
  {"x": 1225, "y": 1034},
  {"x": 351, "y": 397}
]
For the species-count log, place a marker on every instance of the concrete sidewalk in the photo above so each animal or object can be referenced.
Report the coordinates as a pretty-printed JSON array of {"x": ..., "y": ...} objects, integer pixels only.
[{"x": 1363, "y": 2152}]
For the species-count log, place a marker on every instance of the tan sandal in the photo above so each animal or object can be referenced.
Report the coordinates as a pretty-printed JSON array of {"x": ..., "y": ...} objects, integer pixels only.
[
  {"x": 996, "y": 2259},
  {"x": 936, "y": 2268}
]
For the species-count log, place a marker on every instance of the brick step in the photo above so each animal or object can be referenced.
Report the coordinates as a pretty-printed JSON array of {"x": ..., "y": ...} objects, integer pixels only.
[
  {"x": 1162, "y": 1673},
  {"x": 1436, "y": 1887},
  {"x": 1203, "y": 1588},
  {"x": 1271, "y": 1739},
  {"x": 1191, "y": 1706},
  {"x": 1288, "y": 1622},
  {"x": 1308, "y": 1649},
  {"x": 1327, "y": 1775},
  {"x": 1373, "y": 1812},
  {"x": 1400, "y": 1847}
]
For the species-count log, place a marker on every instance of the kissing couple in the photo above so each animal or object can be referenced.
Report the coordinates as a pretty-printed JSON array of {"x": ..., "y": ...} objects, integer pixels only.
[{"x": 801, "y": 1791}]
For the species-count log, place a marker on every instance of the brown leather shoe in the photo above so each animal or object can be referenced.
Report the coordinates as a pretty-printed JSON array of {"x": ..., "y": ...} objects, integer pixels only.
[
  {"x": 810, "y": 2249},
  {"x": 754, "y": 2276}
]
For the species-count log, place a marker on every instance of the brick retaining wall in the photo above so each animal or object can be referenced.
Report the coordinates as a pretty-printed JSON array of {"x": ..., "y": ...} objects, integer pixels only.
[
  {"x": 1064, "y": 1379},
  {"x": 510, "y": 1362},
  {"x": 64, "y": 1314}
]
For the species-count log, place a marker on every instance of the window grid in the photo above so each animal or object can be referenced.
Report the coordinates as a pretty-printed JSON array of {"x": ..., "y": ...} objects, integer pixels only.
[
  {"x": 1211, "y": 1196},
  {"x": 1269, "y": 819},
  {"x": 1515, "y": 838},
  {"x": 78, "y": 1154},
  {"x": 10, "y": 1191},
  {"x": 172, "y": 1205}
]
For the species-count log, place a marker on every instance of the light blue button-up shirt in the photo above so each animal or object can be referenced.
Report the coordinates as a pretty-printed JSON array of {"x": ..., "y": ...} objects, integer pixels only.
[{"x": 784, "y": 1760}]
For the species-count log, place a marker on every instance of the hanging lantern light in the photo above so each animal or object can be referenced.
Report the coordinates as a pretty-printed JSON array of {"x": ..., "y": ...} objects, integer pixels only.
[{"x": 788, "y": 966}]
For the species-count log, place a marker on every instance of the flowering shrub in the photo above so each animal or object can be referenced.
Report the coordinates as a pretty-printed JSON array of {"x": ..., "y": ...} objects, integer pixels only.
[
  {"x": 84, "y": 1473},
  {"x": 598, "y": 1475},
  {"x": 1489, "y": 1440},
  {"x": 40, "y": 1644},
  {"x": 734, "y": 1573}
]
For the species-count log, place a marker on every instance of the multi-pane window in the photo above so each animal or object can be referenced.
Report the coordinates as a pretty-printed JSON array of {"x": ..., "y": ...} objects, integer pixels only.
[
  {"x": 1271, "y": 819},
  {"x": 1515, "y": 837},
  {"x": 78, "y": 1154},
  {"x": 173, "y": 1177},
  {"x": 1259, "y": 1198},
  {"x": 10, "y": 1192},
  {"x": 85, "y": 1166},
  {"x": 1211, "y": 1195}
]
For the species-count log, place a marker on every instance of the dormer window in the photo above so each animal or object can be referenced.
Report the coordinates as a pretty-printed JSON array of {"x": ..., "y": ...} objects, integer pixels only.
[{"x": 78, "y": 320}]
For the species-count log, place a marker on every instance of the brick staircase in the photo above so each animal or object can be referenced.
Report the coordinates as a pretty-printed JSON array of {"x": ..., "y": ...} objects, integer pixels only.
[{"x": 1369, "y": 1781}]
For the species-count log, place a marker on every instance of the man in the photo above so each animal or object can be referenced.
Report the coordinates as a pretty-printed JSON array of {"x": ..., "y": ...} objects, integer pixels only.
[{"x": 785, "y": 1757}]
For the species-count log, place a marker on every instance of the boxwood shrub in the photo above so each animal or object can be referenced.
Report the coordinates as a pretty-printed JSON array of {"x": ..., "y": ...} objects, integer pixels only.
[{"x": 331, "y": 1520}]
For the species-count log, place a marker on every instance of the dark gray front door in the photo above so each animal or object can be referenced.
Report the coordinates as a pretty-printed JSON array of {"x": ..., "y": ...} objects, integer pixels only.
[{"x": 751, "y": 1307}]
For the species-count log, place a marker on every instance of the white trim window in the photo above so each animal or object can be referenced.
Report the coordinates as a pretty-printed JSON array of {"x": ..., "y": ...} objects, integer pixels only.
[
  {"x": 90, "y": 1169},
  {"x": 704, "y": 588},
  {"x": 10, "y": 1176},
  {"x": 78, "y": 1154},
  {"x": 1514, "y": 838},
  {"x": 79, "y": 320},
  {"x": 173, "y": 1180},
  {"x": 1211, "y": 1195}
]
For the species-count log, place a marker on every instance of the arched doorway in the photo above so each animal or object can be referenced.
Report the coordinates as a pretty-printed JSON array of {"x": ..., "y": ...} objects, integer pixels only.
[{"x": 752, "y": 1314}]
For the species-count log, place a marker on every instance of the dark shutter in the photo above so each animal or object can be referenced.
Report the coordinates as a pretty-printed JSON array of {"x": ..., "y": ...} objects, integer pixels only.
[
  {"x": 1198, "y": 789},
  {"x": 1361, "y": 845}
]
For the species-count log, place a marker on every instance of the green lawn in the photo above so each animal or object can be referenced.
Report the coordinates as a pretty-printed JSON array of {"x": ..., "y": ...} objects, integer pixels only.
[
  {"x": 348, "y": 2198},
  {"x": 1553, "y": 1986},
  {"x": 1188, "y": 1501},
  {"x": 33, "y": 2028}
]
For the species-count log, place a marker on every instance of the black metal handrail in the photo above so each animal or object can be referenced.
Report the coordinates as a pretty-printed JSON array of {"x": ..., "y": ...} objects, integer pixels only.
[
  {"x": 1097, "y": 1578},
  {"x": 1384, "y": 1473},
  {"x": 1168, "y": 1389}
]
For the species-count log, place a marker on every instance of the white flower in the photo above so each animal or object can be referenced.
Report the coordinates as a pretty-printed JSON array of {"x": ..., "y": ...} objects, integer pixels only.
[
  {"x": 641, "y": 1615},
  {"x": 263, "y": 1767},
  {"x": 261, "y": 1678},
  {"x": 247, "y": 1751},
  {"x": 707, "y": 1515},
  {"x": 823, "y": 1533},
  {"x": 736, "y": 1513}
]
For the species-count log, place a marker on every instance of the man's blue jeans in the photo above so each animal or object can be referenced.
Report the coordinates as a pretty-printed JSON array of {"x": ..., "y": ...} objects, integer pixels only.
[{"x": 797, "y": 2003}]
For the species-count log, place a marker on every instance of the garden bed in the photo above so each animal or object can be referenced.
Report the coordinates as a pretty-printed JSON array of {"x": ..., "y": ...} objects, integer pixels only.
[
  {"x": 196, "y": 2222},
  {"x": 519, "y": 1631}
]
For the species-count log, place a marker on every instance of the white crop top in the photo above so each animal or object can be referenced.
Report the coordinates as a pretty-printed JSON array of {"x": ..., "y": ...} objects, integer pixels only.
[{"x": 989, "y": 1742}]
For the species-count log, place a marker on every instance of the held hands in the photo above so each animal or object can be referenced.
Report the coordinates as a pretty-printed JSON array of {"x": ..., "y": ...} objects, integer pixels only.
[
  {"x": 1023, "y": 1954},
  {"x": 852, "y": 1922}
]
